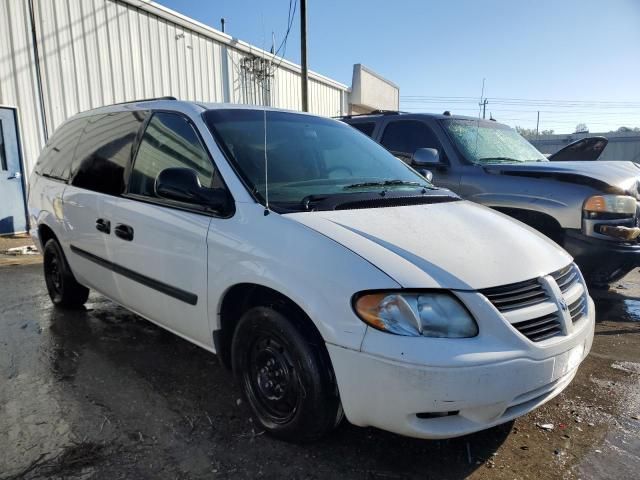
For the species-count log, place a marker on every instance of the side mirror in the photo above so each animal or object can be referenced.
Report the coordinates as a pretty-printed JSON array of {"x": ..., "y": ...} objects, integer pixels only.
[
  {"x": 428, "y": 174},
  {"x": 183, "y": 185},
  {"x": 426, "y": 157}
]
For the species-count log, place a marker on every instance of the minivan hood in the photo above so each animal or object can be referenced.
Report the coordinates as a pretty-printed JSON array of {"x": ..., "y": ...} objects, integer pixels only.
[
  {"x": 457, "y": 245},
  {"x": 599, "y": 174}
]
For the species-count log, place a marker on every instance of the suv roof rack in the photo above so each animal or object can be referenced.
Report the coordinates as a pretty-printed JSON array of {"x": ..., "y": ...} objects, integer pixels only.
[
  {"x": 145, "y": 100},
  {"x": 373, "y": 112}
]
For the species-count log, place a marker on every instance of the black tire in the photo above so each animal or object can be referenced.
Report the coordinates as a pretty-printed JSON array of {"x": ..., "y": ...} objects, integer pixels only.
[
  {"x": 286, "y": 379},
  {"x": 61, "y": 284}
]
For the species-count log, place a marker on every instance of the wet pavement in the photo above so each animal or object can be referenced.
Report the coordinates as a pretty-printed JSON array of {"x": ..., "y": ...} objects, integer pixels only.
[{"x": 100, "y": 393}]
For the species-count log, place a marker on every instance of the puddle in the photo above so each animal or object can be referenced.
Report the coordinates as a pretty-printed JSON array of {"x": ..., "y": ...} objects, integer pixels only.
[
  {"x": 633, "y": 309},
  {"x": 617, "y": 457},
  {"x": 617, "y": 310}
]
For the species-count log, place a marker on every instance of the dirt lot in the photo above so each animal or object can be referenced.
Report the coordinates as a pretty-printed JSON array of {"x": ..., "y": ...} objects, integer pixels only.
[{"x": 100, "y": 393}]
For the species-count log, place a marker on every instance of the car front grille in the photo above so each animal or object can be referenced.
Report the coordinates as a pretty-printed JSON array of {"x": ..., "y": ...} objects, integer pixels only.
[
  {"x": 578, "y": 309},
  {"x": 511, "y": 299},
  {"x": 541, "y": 328},
  {"x": 516, "y": 295},
  {"x": 566, "y": 277}
]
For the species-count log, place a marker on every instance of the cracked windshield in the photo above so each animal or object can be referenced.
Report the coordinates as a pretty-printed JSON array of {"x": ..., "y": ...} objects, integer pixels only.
[{"x": 485, "y": 143}]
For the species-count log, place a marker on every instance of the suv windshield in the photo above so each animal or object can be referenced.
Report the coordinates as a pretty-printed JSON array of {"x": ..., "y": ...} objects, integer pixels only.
[
  {"x": 307, "y": 156},
  {"x": 484, "y": 143}
]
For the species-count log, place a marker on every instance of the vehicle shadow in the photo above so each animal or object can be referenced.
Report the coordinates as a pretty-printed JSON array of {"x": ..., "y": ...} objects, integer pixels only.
[
  {"x": 150, "y": 384},
  {"x": 617, "y": 306}
]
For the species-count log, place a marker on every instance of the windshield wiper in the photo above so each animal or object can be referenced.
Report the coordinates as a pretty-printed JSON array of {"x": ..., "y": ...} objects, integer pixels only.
[
  {"x": 498, "y": 159},
  {"x": 386, "y": 183}
]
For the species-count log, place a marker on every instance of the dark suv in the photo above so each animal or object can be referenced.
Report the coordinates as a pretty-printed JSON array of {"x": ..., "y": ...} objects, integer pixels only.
[{"x": 590, "y": 208}]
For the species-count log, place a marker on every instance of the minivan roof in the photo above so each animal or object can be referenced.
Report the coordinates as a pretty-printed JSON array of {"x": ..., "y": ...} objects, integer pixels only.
[{"x": 173, "y": 104}]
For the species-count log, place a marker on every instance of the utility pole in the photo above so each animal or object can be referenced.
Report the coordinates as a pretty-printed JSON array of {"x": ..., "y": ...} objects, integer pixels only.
[
  {"x": 484, "y": 108},
  {"x": 483, "y": 102},
  {"x": 538, "y": 124},
  {"x": 222, "y": 22},
  {"x": 304, "y": 77}
]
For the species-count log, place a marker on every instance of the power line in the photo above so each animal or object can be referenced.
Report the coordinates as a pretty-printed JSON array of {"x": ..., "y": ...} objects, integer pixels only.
[
  {"x": 549, "y": 113},
  {"x": 283, "y": 44},
  {"x": 520, "y": 100}
]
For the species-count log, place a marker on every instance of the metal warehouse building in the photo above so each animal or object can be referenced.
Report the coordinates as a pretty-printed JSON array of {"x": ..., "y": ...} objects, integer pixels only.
[
  {"x": 621, "y": 146},
  {"x": 60, "y": 57}
]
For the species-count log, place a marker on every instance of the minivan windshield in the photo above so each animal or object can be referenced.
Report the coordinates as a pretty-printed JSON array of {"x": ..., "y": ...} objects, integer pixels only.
[
  {"x": 486, "y": 142},
  {"x": 307, "y": 156}
]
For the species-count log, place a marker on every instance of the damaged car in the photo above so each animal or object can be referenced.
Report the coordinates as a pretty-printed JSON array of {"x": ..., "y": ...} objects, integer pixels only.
[
  {"x": 589, "y": 208},
  {"x": 587, "y": 149},
  {"x": 331, "y": 278}
]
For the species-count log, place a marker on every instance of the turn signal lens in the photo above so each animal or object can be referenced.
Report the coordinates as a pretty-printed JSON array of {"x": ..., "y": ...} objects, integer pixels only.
[{"x": 611, "y": 204}]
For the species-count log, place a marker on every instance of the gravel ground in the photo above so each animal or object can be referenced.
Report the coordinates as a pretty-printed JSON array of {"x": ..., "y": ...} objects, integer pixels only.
[
  {"x": 99, "y": 393},
  {"x": 7, "y": 242}
]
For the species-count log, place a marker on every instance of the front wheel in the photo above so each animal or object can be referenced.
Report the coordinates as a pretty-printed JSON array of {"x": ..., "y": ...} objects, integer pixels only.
[
  {"x": 287, "y": 380},
  {"x": 63, "y": 288}
]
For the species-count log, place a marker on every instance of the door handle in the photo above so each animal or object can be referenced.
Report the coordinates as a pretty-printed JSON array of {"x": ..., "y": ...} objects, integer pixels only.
[
  {"x": 124, "y": 232},
  {"x": 103, "y": 225},
  {"x": 16, "y": 175}
]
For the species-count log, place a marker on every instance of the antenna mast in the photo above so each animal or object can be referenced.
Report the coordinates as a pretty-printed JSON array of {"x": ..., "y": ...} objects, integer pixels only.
[{"x": 266, "y": 157}]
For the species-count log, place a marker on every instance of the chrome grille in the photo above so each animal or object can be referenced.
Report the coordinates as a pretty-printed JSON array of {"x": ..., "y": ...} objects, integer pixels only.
[
  {"x": 578, "y": 308},
  {"x": 566, "y": 277},
  {"x": 539, "y": 329},
  {"x": 509, "y": 299},
  {"x": 516, "y": 295}
]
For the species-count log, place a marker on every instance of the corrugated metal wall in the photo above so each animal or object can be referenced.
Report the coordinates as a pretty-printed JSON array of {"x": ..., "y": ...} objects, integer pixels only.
[
  {"x": 97, "y": 52},
  {"x": 18, "y": 86}
]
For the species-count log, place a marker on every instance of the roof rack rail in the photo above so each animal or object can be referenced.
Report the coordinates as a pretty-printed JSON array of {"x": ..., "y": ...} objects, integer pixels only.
[
  {"x": 373, "y": 112},
  {"x": 145, "y": 100}
]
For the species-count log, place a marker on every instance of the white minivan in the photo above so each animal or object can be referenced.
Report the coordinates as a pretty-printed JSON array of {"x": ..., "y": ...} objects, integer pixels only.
[{"x": 332, "y": 278}]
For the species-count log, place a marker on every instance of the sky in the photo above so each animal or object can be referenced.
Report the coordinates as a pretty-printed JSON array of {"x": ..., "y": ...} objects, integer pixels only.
[{"x": 575, "y": 61}]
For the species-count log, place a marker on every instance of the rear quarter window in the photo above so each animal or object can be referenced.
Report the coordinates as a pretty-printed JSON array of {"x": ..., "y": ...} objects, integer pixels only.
[
  {"x": 56, "y": 158},
  {"x": 365, "y": 127},
  {"x": 104, "y": 151}
]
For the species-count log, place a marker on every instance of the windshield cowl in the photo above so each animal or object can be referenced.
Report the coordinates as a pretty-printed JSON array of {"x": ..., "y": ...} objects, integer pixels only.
[
  {"x": 359, "y": 200},
  {"x": 502, "y": 160}
]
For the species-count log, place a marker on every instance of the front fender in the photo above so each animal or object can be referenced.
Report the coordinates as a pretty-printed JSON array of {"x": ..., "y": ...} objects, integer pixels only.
[
  {"x": 561, "y": 200},
  {"x": 310, "y": 269}
]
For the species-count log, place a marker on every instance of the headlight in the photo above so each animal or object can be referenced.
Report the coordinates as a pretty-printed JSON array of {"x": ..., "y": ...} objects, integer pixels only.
[
  {"x": 428, "y": 314},
  {"x": 622, "y": 204}
]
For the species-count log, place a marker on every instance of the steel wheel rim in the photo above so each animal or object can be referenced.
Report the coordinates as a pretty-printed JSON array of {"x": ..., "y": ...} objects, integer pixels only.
[
  {"x": 271, "y": 380},
  {"x": 53, "y": 273}
]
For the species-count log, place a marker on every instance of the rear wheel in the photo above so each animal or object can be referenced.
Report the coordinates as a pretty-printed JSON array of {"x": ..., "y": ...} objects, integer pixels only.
[
  {"x": 63, "y": 288},
  {"x": 287, "y": 380}
]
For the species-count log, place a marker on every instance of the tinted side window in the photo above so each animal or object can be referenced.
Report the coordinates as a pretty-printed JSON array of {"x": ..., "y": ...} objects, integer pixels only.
[
  {"x": 168, "y": 142},
  {"x": 55, "y": 160},
  {"x": 366, "y": 128},
  {"x": 104, "y": 150},
  {"x": 404, "y": 137}
]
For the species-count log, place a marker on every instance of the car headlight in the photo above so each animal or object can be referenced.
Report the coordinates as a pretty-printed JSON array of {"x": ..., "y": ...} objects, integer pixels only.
[
  {"x": 620, "y": 204},
  {"x": 427, "y": 314}
]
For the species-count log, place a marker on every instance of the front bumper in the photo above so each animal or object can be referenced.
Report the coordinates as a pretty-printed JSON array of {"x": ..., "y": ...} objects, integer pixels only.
[
  {"x": 470, "y": 394},
  {"x": 602, "y": 261}
]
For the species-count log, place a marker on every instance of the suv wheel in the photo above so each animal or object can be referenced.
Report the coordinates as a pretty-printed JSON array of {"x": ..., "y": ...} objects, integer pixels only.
[
  {"x": 62, "y": 286},
  {"x": 287, "y": 381}
]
